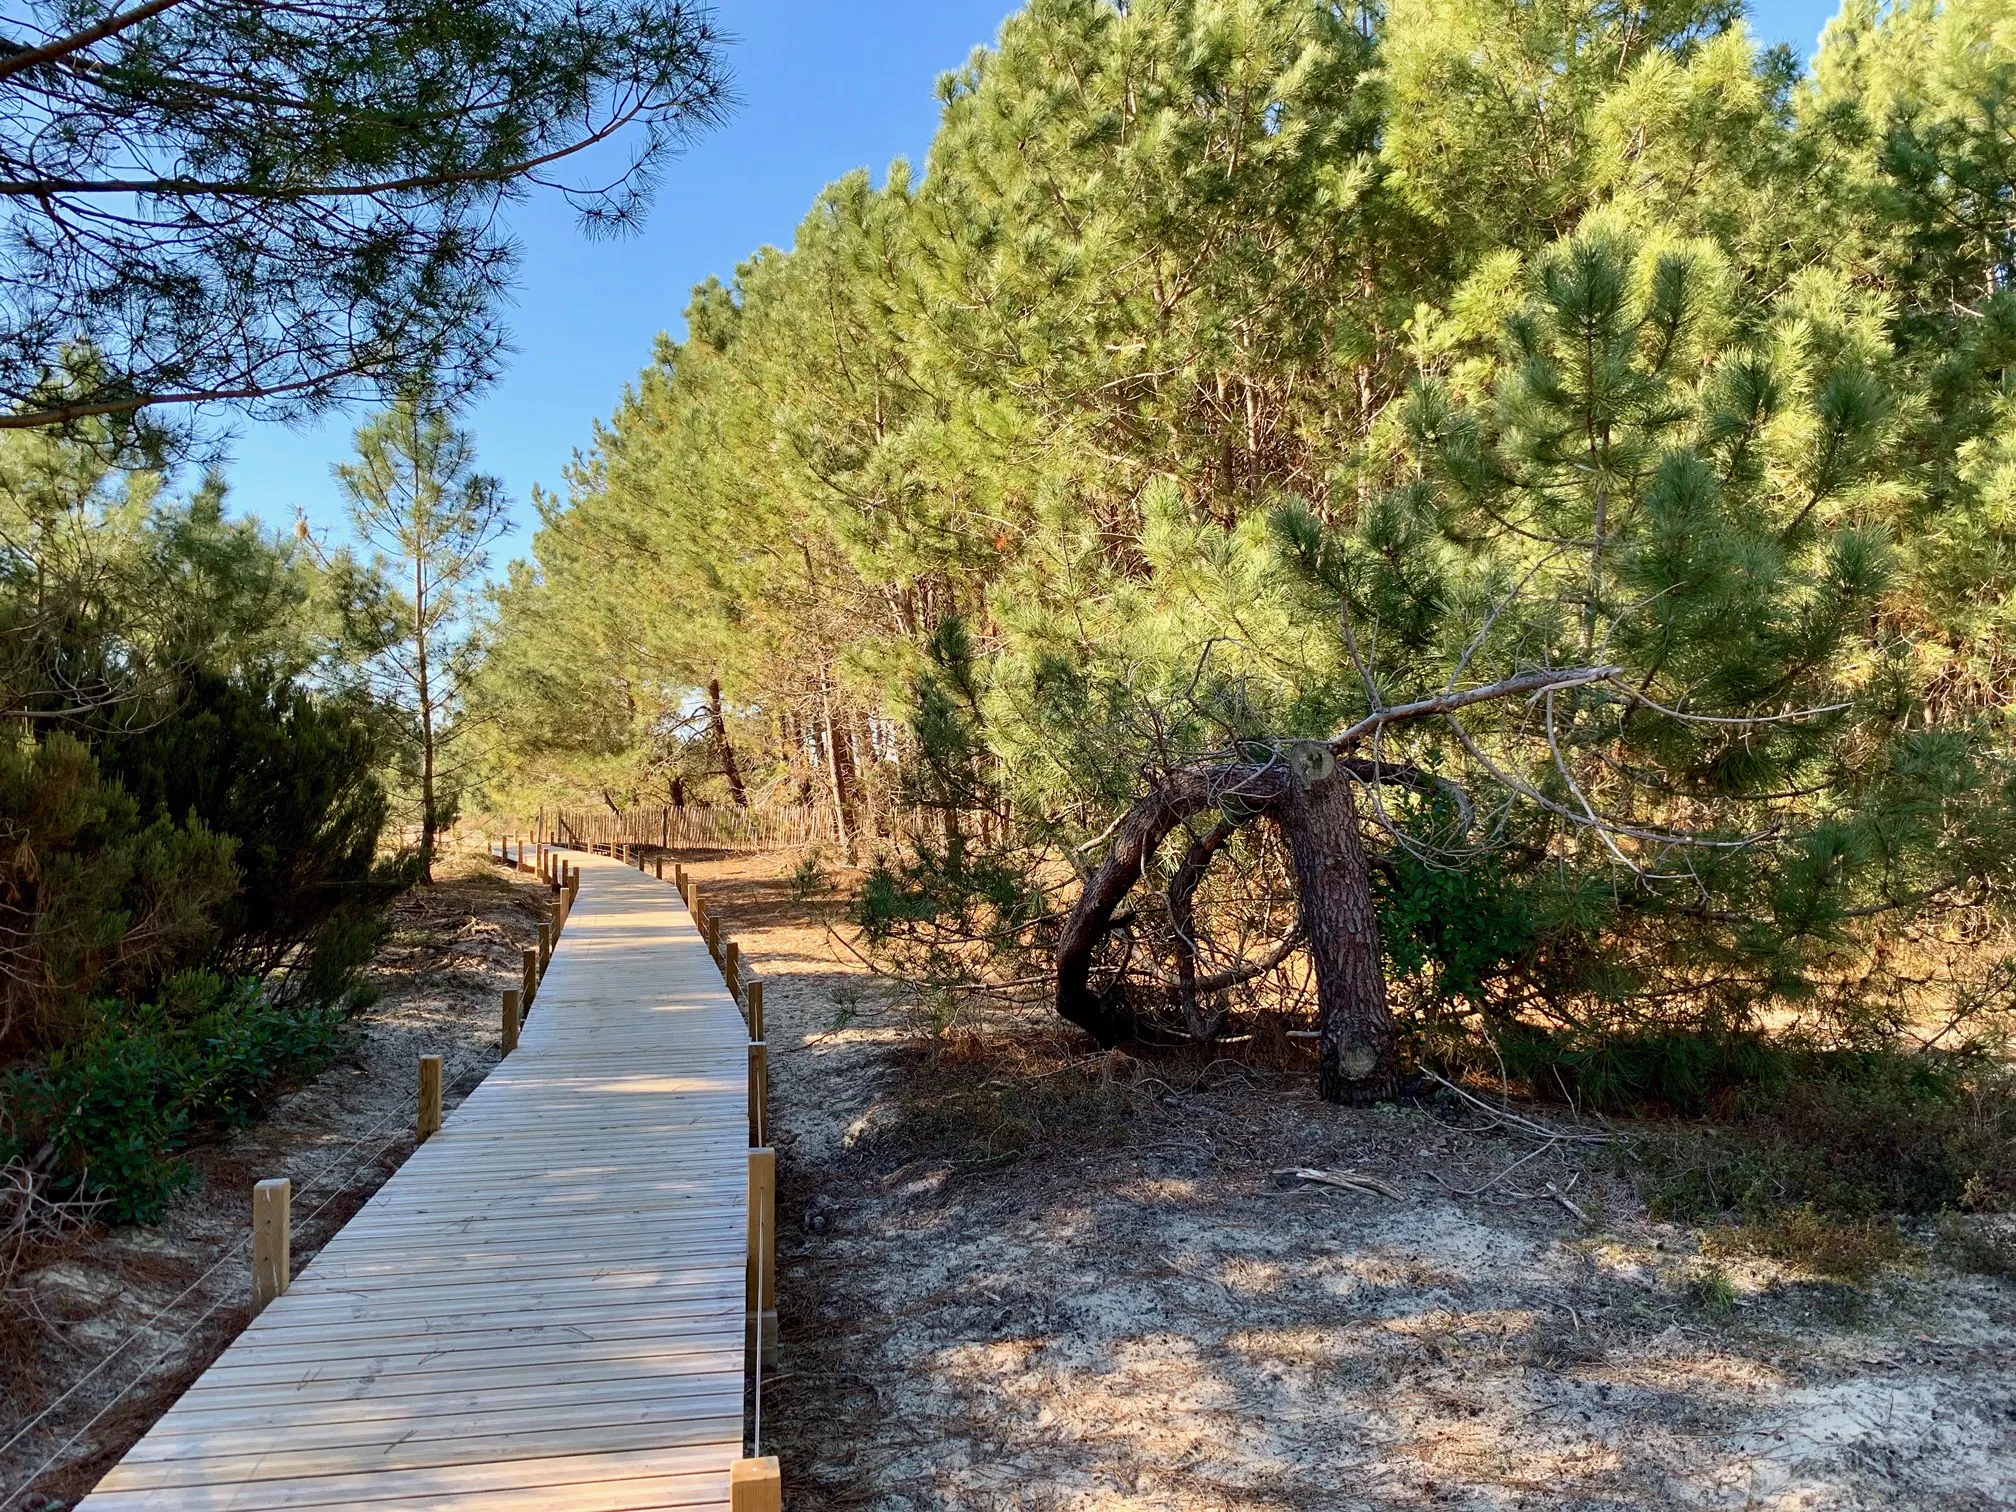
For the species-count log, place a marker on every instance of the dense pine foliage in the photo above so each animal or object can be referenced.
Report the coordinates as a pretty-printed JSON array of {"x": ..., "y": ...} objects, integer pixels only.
[
  {"x": 1238, "y": 374},
  {"x": 190, "y": 875}
]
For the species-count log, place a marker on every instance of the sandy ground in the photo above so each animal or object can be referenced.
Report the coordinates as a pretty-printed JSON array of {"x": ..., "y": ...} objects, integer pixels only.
[
  {"x": 130, "y": 1317},
  {"x": 1015, "y": 1276}
]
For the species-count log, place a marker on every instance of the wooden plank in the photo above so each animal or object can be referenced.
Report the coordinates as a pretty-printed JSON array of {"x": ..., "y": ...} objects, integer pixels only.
[
  {"x": 240, "y": 1411},
  {"x": 552, "y": 1474},
  {"x": 303, "y": 1432}
]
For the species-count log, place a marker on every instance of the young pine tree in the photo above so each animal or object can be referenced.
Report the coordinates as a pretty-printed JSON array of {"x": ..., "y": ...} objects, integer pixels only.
[{"x": 415, "y": 496}]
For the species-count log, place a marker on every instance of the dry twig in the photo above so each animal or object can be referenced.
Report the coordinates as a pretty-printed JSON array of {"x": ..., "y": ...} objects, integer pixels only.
[{"x": 1350, "y": 1181}]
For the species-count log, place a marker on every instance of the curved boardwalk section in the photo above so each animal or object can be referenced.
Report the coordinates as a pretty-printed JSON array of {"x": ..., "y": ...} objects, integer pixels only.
[{"x": 544, "y": 1308}]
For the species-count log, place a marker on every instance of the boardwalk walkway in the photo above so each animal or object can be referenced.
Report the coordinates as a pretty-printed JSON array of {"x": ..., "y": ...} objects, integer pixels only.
[{"x": 544, "y": 1308}]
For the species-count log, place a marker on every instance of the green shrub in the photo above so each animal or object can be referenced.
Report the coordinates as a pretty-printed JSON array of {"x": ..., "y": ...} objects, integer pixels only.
[
  {"x": 295, "y": 781},
  {"x": 810, "y": 878},
  {"x": 1680, "y": 1071},
  {"x": 106, "y": 1116},
  {"x": 1712, "y": 1291},
  {"x": 1843, "y": 1248},
  {"x": 97, "y": 901}
]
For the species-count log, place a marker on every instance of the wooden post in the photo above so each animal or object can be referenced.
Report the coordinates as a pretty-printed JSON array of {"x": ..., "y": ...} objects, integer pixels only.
[
  {"x": 756, "y": 1485},
  {"x": 510, "y": 1019},
  {"x": 530, "y": 986},
  {"x": 759, "y": 1094},
  {"x": 714, "y": 937},
  {"x": 731, "y": 969},
  {"x": 679, "y": 877},
  {"x": 762, "y": 1276},
  {"x": 272, "y": 1240},
  {"x": 661, "y": 868},
  {"x": 545, "y": 947},
  {"x": 430, "y": 1096},
  {"x": 752, "y": 999}
]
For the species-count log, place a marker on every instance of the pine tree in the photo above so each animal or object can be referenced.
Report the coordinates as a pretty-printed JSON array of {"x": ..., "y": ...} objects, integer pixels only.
[
  {"x": 414, "y": 495},
  {"x": 281, "y": 207},
  {"x": 1503, "y": 540}
]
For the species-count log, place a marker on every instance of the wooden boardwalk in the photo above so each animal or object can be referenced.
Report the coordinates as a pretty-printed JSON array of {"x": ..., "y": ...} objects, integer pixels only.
[{"x": 544, "y": 1307}]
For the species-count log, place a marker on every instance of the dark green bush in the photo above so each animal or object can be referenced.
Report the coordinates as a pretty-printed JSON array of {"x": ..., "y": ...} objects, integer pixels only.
[
  {"x": 105, "y": 1117},
  {"x": 97, "y": 901},
  {"x": 294, "y": 780},
  {"x": 1852, "y": 1136},
  {"x": 1672, "y": 1070},
  {"x": 1459, "y": 927}
]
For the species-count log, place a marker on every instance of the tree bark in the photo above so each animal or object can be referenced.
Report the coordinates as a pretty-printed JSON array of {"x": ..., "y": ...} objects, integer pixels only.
[
  {"x": 837, "y": 782},
  {"x": 719, "y": 725},
  {"x": 1183, "y": 922},
  {"x": 420, "y": 628},
  {"x": 1108, "y": 1017},
  {"x": 1360, "y": 1055}
]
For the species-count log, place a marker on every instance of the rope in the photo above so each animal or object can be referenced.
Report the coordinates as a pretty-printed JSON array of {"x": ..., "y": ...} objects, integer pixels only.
[{"x": 756, "y": 1447}]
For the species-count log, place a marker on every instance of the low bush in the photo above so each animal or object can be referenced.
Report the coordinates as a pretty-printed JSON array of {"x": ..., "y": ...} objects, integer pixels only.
[
  {"x": 1817, "y": 1162},
  {"x": 1852, "y": 1135},
  {"x": 104, "y": 1119},
  {"x": 1849, "y": 1249}
]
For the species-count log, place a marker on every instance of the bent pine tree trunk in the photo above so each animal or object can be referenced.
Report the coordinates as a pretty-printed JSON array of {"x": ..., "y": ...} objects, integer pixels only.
[{"x": 1360, "y": 1056}]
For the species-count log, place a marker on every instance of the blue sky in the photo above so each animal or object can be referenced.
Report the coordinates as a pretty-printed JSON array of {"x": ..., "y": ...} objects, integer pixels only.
[{"x": 826, "y": 88}]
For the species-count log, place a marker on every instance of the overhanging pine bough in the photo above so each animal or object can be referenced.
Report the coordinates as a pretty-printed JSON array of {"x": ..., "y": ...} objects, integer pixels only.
[{"x": 283, "y": 205}]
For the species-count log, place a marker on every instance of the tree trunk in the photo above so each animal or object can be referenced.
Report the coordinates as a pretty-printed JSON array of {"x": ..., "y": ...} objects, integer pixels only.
[
  {"x": 836, "y": 780},
  {"x": 426, "y": 722},
  {"x": 1108, "y": 1017},
  {"x": 1360, "y": 1056},
  {"x": 722, "y": 743},
  {"x": 1183, "y": 923}
]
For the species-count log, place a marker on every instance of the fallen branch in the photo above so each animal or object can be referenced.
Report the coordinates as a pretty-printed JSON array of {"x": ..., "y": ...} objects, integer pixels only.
[
  {"x": 1566, "y": 1201},
  {"x": 1506, "y": 1118},
  {"x": 1349, "y": 1181},
  {"x": 1532, "y": 1154}
]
